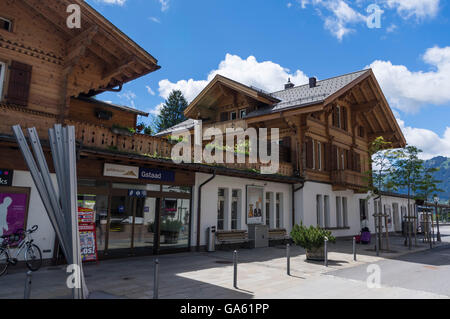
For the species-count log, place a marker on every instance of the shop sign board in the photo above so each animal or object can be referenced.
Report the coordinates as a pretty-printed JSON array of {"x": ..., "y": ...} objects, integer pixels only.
[{"x": 114, "y": 170}]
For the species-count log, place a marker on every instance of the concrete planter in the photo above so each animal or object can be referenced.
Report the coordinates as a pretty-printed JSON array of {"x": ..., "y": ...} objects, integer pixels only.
[{"x": 316, "y": 254}]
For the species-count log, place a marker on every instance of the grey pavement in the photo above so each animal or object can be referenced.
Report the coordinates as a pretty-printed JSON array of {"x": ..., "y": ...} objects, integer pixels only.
[{"x": 416, "y": 273}]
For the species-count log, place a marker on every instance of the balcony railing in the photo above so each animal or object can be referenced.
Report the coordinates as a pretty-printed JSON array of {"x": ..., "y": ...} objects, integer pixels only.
[
  {"x": 349, "y": 178},
  {"x": 100, "y": 137}
]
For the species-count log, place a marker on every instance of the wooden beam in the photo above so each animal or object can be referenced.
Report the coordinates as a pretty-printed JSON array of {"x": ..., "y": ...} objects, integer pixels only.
[
  {"x": 117, "y": 70},
  {"x": 82, "y": 39},
  {"x": 364, "y": 107}
]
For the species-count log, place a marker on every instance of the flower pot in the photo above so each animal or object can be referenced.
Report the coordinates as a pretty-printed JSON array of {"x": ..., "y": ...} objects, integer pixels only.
[{"x": 317, "y": 254}]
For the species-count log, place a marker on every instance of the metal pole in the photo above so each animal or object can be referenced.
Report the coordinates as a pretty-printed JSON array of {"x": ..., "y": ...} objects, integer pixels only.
[
  {"x": 288, "y": 255},
  {"x": 437, "y": 224},
  {"x": 235, "y": 285},
  {"x": 354, "y": 248},
  {"x": 156, "y": 280},
  {"x": 27, "y": 292},
  {"x": 326, "y": 252}
]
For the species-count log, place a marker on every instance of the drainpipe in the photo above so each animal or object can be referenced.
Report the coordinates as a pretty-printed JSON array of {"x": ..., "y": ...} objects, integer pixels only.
[
  {"x": 199, "y": 208},
  {"x": 295, "y": 190}
]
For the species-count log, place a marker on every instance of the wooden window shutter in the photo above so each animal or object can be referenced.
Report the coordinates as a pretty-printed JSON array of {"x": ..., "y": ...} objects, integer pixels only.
[
  {"x": 309, "y": 153},
  {"x": 224, "y": 116},
  {"x": 344, "y": 118},
  {"x": 357, "y": 162},
  {"x": 19, "y": 83},
  {"x": 348, "y": 160},
  {"x": 334, "y": 158},
  {"x": 286, "y": 149},
  {"x": 327, "y": 153}
]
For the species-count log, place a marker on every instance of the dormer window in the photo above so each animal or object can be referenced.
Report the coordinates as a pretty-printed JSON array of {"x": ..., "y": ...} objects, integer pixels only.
[
  {"x": 242, "y": 113},
  {"x": 5, "y": 24}
]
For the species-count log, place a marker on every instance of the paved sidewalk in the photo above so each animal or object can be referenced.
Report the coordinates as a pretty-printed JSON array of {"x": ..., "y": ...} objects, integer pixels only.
[{"x": 261, "y": 274}]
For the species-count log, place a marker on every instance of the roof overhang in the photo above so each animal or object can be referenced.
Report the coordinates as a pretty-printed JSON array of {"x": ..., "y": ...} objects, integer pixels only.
[{"x": 221, "y": 84}]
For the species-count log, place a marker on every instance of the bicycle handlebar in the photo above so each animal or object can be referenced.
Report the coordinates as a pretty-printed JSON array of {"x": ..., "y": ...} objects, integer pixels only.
[{"x": 33, "y": 229}]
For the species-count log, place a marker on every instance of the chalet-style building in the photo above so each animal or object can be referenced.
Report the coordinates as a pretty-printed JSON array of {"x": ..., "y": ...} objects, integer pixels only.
[{"x": 143, "y": 202}]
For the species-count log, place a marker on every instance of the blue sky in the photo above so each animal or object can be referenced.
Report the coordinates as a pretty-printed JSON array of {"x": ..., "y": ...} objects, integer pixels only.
[{"x": 262, "y": 43}]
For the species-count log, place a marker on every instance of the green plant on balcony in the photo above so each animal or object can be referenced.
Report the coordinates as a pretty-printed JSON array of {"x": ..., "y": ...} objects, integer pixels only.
[{"x": 122, "y": 130}]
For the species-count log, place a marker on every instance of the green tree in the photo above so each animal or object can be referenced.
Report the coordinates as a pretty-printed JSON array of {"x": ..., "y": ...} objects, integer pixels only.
[
  {"x": 407, "y": 169},
  {"x": 379, "y": 177},
  {"x": 428, "y": 185},
  {"x": 172, "y": 112}
]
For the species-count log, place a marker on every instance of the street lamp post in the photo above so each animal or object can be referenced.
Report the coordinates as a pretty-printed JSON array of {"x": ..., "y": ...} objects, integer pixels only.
[{"x": 436, "y": 202}]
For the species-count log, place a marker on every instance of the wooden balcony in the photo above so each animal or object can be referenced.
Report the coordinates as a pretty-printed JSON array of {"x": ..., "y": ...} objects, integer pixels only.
[
  {"x": 343, "y": 179},
  {"x": 103, "y": 138},
  {"x": 94, "y": 136}
]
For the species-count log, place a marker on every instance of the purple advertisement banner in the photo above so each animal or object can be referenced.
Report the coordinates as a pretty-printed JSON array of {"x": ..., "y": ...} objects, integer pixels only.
[{"x": 13, "y": 207}]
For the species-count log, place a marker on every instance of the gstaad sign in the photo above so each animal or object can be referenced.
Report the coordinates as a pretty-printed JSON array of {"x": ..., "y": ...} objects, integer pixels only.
[
  {"x": 156, "y": 175},
  {"x": 6, "y": 177}
]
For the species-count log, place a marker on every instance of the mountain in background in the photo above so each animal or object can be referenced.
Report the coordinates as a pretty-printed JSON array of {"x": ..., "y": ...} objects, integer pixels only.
[{"x": 443, "y": 163}]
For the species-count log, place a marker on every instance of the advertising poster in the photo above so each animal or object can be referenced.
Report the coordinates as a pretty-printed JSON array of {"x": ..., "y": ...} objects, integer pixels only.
[
  {"x": 13, "y": 212},
  {"x": 255, "y": 204},
  {"x": 86, "y": 228}
]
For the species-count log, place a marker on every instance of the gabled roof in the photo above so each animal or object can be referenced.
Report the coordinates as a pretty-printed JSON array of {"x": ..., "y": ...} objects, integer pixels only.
[
  {"x": 303, "y": 95},
  {"x": 251, "y": 92}
]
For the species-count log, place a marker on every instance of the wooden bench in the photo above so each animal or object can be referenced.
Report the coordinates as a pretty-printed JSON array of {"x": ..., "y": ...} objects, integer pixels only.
[
  {"x": 279, "y": 234},
  {"x": 231, "y": 237}
]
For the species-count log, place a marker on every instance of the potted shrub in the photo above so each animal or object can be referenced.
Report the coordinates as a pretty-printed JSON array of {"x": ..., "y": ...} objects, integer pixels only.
[{"x": 312, "y": 240}]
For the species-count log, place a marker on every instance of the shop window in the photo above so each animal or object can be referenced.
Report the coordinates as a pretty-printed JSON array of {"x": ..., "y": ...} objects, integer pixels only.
[
  {"x": 221, "y": 209},
  {"x": 2, "y": 78},
  {"x": 236, "y": 209},
  {"x": 269, "y": 212},
  {"x": 176, "y": 189},
  {"x": 5, "y": 24},
  {"x": 98, "y": 205},
  {"x": 174, "y": 227}
]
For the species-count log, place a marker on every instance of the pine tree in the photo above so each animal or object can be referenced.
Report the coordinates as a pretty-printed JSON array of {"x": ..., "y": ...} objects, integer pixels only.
[{"x": 172, "y": 111}]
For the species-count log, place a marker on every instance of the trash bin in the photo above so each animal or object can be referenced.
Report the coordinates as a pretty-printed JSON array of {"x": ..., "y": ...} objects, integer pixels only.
[{"x": 211, "y": 238}]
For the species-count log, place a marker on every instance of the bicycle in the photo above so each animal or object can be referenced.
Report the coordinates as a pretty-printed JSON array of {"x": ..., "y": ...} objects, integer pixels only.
[{"x": 32, "y": 253}]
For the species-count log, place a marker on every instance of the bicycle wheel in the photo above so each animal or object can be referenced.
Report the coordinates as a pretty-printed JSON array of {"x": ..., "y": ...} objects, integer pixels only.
[
  {"x": 33, "y": 257},
  {"x": 4, "y": 261}
]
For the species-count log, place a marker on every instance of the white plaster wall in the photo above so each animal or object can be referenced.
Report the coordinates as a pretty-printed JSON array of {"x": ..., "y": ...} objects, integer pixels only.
[
  {"x": 305, "y": 201},
  {"x": 210, "y": 198},
  {"x": 44, "y": 237}
]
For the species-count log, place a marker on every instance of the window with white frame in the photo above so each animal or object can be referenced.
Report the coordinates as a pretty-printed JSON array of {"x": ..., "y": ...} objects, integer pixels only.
[
  {"x": 221, "y": 209},
  {"x": 242, "y": 113},
  {"x": 236, "y": 209},
  {"x": 278, "y": 210},
  {"x": 326, "y": 210},
  {"x": 233, "y": 116},
  {"x": 345, "y": 211},
  {"x": 2, "y": 78},
  {"x": 338, "y": 212},
  {"x": 319, "y": 210}
]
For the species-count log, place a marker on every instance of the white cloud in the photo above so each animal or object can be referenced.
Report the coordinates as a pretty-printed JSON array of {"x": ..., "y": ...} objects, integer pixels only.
[
  {"x": 415, "y": 8},
  {"x": 149, "y": 90},
  {"x": 157, "y": 109},
  {"x": 428, "y": 141},
  {"x": 409, "y": 90},
  {"x": 129, "y": 97},
  {"x": 114, "y": 2},
  {"x": 164, "y": 5},
  {"x": 155, "y": 19},
  {"x": 265, "y": 75}
]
